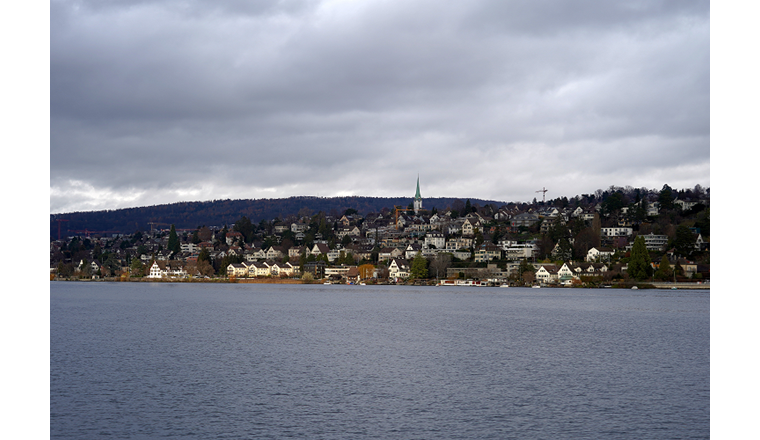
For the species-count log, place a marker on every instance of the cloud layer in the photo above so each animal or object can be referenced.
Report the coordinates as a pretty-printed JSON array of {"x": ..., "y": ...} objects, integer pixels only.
[{"x": 162, "y": 101}]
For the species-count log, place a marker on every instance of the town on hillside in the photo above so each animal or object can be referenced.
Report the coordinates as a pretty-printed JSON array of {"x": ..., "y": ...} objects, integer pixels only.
[{"x": 620, "y": 235}]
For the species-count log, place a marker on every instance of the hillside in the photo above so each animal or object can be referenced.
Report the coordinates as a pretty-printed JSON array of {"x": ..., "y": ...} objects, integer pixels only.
[{"x": 190, "y": 215}]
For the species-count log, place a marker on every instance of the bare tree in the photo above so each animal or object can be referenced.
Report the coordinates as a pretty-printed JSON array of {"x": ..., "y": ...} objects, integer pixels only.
[{"x": 440, "y": 263}]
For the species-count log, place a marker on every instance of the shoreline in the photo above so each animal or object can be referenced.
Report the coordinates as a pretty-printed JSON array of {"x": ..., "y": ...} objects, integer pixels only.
[{"x": 626, "y": 286}]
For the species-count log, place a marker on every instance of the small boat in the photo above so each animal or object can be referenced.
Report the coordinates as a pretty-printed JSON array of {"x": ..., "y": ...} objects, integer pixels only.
[
  {"x": 504, "y": 285},
  {"x": 634, "y": 288},
  {"x": 536, "y": 286}
]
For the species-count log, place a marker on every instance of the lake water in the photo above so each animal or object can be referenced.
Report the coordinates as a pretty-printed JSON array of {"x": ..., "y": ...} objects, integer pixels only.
[{"x": 224, "y": 361}]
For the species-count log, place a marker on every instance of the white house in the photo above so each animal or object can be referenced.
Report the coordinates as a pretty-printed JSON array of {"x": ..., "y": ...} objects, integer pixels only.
[
  {"x": 155, "y": 271},
  {"x": 259, "y": 269},
  {"x": 255, "y": 254},
  {"x": 566, "y": 274},
  {"x": 520, "y": 251},
  {"x": 239, "y": 270},
  {"x": 412, "y": 250},
  {"x": 189, "y": 247},
  {"x": 282, "y": 269},
  {"x": 435, "y": 238},
  {"x": 617, "y": 232},
  {"x": 164, "y": 270},
  {"x": 655, "y": 242},
  {"x": 547, "y": 274},
  {"x": 398, "y": 268},
  {"x": 274, "y": 252},
  {"x": 487, "y": 252},
  {"x": 601, "y": 254}
]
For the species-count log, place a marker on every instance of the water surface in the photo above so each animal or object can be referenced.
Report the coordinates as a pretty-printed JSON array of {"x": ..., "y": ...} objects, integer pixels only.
[{"x": 144, "y": 361}]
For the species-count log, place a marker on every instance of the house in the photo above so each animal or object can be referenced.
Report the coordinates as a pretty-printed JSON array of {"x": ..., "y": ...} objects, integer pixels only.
[
  {"x": 412, "y": 250},
  {"x": 361, "y": 252},
  {"x": 526, "y": 219},
  {"x": 282, "y": 270},
  {"x": 617, "y": 232},
  {"x": 398, "y": 268},
  {"x": 167, "y": 270},
  {"x": 601, "y": 254},
  {"x": 155, "y": 271},
  {"x": 469, "y": 226},
  {"x": 388, "y": 253},
  {"x": 259, "y": 269},
  {"x": 353, "y": 275},
  {"x": 255, "y": 254},
  {"x": 487, "y": 252},
  {"x": 299, "y": 227},
  {"x": 320, "y": 249},
  {"x": 502, "y": 214},
  {"x": 233, "y": 236},
  {"x": 520, "y": 251},
  {"x": 435, "y": 239},
  {"x": 281, "y": 228},
  {"x": 454, "y": 227},
  {"x": 548, "y": 274},
  {"x": 655, "y": 242},
  {"x": 189, "y": 247},
  {"x": 585, "y": 269},
  {"x": 238, "y": 270},
  {"x": 295, "y": 252},
  {"x": 685, "y": 205},
  {"x": 566, "y": 274},
  {"x": 275, "y": 253},
  {"x": 436, "y": 221},
  {"x": 458, "y": 243},
  {"x": 316, "y": 268}
]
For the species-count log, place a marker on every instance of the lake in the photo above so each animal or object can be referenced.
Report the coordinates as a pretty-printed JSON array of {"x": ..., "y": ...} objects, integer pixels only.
[{"x": 264, "y": 361}]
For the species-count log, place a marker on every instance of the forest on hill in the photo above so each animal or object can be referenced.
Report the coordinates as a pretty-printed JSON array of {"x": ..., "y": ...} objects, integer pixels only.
[{"x": 191, "y": 215}]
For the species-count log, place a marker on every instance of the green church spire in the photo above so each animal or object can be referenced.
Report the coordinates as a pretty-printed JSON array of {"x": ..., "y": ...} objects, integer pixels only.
[{"x": 417, "y": 198}]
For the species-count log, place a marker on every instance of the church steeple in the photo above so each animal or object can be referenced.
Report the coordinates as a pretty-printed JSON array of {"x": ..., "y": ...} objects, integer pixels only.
[{"x": 417, "y": 198}]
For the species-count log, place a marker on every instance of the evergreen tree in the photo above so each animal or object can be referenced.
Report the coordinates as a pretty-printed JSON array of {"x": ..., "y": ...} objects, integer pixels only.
[
  {"x": 136, "y": 268},
  {"x": 204, "y": 255},
  {"x": 640, "y": 265},
  {"x": 666, "y": 197},
  {"x": 419, "y": 267},
  {"x": 684, "y": 242},
  {"x": 564, "y": 249},
  {"x": 664, "y": 272},
  {"x": 173, "y": 244}
]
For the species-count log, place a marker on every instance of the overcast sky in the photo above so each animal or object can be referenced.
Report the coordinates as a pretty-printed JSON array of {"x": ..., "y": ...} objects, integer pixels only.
[{"x": 164, "y": 101}]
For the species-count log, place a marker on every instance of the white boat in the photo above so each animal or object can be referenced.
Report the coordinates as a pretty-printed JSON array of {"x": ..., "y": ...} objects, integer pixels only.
[
  {"x": 536, "y": 286},
  {"x": 504, "y": 285}
]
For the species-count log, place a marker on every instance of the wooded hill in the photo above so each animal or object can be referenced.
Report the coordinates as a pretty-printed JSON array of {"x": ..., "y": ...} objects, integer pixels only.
[{"x": 190, "y": 215}]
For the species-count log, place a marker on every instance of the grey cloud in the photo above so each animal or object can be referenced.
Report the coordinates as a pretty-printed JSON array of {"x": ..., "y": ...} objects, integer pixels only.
[{"x": 314, "y": 95}]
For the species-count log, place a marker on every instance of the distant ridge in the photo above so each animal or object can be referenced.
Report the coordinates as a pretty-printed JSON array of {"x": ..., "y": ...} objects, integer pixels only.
[{"x": 190, "y": 215}]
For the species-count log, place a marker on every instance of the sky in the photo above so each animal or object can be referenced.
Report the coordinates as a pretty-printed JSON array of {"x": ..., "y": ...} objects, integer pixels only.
[{"x": 163, "y": 101}]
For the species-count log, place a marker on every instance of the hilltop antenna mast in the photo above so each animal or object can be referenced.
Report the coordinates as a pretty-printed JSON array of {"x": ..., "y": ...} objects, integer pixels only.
[{"x": 543, "y": 190}]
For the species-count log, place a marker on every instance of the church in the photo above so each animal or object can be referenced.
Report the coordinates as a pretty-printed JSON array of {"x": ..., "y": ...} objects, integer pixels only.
[{"x": 417, "y": 198}]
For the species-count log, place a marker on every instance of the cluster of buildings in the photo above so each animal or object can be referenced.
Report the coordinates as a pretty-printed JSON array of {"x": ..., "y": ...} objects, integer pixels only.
[{"x": 390, "y": 240}]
